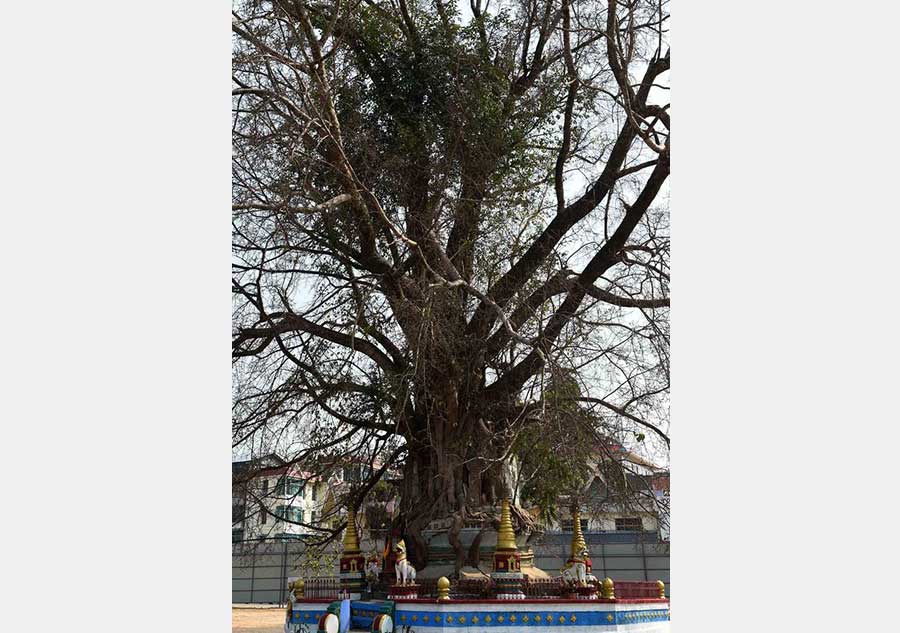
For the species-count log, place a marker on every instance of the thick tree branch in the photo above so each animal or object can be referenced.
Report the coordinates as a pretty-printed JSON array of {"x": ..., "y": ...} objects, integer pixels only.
[
  {"x": 296, "y": 323},
  {"x": 505, "y": 288},
  {"x": 516, "y": 377},
  {"x": 625, "y": 414}
]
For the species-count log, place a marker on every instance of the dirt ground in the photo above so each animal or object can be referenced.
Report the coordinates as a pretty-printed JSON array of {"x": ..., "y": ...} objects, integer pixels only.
[{"x": 257, "y": 620}]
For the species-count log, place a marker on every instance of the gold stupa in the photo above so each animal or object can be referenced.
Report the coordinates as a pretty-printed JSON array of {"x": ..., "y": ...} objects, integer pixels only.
[
  {"x": 351, "y": 540},
  {"x": 506, "y": 537}
]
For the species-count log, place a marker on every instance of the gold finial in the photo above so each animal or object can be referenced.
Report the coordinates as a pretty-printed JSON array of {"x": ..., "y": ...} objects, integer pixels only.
[
  {"x": 443, "y": 588},
  {"x": 297, "y": 587},
  {"x": 351, "y": 541},
  {"x": 506, "y": 537},
  {"x": 578, "y": 543},
  {"x": 607, "y": 589},
  {"x": 662, "y": 588}
]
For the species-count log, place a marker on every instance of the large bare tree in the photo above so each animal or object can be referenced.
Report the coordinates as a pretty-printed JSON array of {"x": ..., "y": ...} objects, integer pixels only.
[{"x": 441, "y": 214}]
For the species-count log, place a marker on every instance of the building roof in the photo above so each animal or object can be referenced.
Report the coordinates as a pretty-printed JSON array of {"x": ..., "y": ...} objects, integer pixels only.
[
  {"x": 614, "y": 449},
  {"x": 257, "y": 463}
]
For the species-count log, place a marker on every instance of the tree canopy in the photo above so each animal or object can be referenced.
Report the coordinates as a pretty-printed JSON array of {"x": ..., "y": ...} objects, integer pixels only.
[{"x": 451, "y": 238}]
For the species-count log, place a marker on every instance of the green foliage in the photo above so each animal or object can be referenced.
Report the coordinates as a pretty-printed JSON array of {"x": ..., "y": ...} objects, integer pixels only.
[
  {"x": 555, "y": 452},
  {"x": 376, "y": 515},
  {"x": 438, "y": 105}
]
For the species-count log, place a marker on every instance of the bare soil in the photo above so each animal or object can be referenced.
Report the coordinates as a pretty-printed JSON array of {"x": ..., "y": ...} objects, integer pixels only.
[{"x": 257, "y": 620}]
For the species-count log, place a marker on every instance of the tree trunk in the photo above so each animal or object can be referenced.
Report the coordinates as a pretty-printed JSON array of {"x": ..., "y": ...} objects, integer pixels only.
[{"x": 449, "y": 478}]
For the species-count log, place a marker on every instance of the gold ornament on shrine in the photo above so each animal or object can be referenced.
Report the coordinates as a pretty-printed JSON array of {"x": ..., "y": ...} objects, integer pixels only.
[
  {"x": 297, "y": 587},
  {"x": 351, "y": 540},
  {"x": 607, "y": 589},
  {"x": 506, "y": 537},
  {"x": 662, "y": 588},
  {"x": 443, "y": 588}
]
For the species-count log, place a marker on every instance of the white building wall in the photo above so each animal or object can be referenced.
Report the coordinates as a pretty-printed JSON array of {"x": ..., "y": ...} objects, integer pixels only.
[{"x": 253, "y": 521}]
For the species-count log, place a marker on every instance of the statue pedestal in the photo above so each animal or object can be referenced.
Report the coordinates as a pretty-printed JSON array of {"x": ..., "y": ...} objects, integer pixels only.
[{"x": 400, "y": 592}]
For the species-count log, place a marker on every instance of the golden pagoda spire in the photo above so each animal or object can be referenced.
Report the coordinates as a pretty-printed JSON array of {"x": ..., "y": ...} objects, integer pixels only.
[
  {"x": 506, "y": 537},
  {"x": 578, "y": 543},
  {"x": 351, "y": 541}
]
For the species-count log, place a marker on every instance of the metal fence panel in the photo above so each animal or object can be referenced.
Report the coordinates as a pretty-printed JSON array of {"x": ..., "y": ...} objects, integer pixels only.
[{"x": 260, "y": 570}]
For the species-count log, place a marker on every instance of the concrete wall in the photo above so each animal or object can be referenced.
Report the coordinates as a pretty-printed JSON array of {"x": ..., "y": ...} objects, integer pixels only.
[{"x": 260, "y": 571}]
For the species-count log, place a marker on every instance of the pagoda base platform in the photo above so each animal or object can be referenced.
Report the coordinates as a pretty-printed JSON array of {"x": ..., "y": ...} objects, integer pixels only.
[{"x": 639, "y": 615}]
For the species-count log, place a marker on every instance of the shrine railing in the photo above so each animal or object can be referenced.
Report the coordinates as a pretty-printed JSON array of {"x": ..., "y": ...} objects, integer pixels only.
[
  {"x": 483, "y": 588},
  {"x": 322, "y": 587},
  {"x": 472, "y": 589},
  {"x": 536, "y": 588},
  {"x": 427, "y": 587},
  {"x": 636, "y": 589}
]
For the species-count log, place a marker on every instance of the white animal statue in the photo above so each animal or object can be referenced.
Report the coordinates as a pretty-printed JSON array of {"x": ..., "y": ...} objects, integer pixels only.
[
  {"x": 576, "y": 569},
  {"x": 406, "y": 573}
]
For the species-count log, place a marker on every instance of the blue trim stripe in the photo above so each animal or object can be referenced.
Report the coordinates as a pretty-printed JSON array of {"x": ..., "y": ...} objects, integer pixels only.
[{"x": 488, "y": 619}]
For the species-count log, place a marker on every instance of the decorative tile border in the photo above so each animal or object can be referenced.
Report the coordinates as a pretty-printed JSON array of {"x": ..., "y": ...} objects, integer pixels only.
[{"x": 529, "y": 618}]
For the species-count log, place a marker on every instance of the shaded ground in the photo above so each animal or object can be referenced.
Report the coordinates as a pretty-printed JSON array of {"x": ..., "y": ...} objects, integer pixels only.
[{"x": 257, "y": 620}]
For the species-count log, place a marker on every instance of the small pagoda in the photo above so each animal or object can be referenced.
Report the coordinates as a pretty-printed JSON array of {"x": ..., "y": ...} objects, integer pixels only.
[
  {"x": 580, "y": 555},
  {"x": 353, "y": 563},
  {"x": 506, "y": 570}
]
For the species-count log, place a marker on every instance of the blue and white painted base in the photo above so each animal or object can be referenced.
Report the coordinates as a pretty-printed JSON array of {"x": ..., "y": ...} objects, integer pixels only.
[{"x": 499, "y": 616}]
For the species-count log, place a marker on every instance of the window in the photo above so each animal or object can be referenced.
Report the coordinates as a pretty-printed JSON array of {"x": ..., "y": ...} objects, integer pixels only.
[
  {"x": 263, "y": 515},
  {"x": 568, "y": 525},
  {"x": 289, "y": 513},
  {"x": 265, "y": 488},
  {"x": 237, "y": 535},
  {"x": 629, "y": 524},
  {"x": 353, "y": 473},
  {"x": 237, "y": 513},
  {"x": 314, "y": 517},
  {"x": 315, "y": 492},
  {"x": 294, "y": 487}
]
